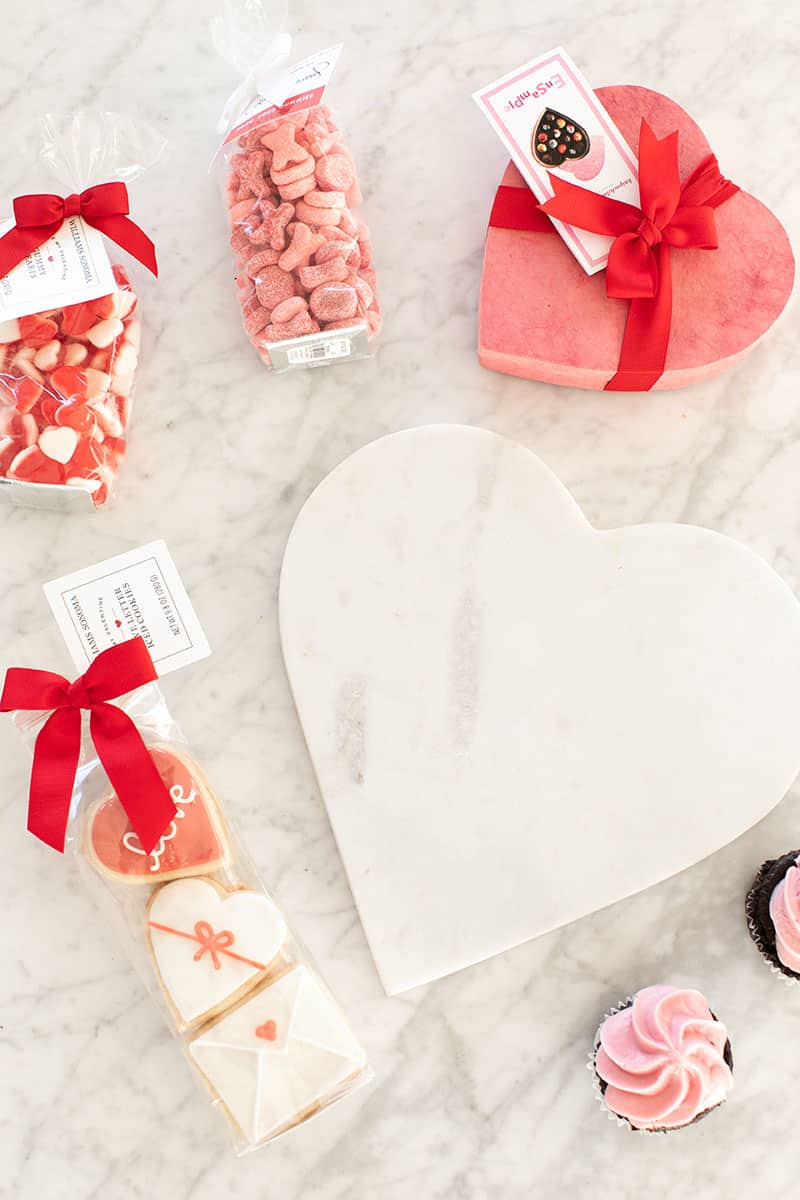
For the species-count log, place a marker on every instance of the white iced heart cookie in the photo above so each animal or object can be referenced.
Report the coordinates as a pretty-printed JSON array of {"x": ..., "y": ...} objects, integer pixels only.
[
  {"x": 210, "y": 945},
  {"x": 516, "y": 719},
  {"x": 279, "y": 1056}
]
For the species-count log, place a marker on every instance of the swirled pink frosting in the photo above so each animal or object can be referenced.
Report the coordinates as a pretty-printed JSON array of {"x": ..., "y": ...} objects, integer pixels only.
[
  {"x": 784, "y": 910},
  {"x": 663, "y": 1059}
]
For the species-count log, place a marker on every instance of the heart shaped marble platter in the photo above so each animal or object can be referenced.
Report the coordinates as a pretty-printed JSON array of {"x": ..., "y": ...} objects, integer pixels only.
[
  {"x": 542, "y": 317},
  {"x": 516, "y": 719}
]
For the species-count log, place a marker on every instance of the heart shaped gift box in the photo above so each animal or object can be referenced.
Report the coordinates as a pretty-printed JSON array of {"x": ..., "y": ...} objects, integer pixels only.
[{"x": 542, "y": 317}]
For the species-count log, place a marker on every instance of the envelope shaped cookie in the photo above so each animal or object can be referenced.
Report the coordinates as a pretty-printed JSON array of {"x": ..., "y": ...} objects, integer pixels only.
[
  {"x": 194, "y": 842},
  {"x": 280, "y": 1056},
  {"x": 211, "y": 945}
]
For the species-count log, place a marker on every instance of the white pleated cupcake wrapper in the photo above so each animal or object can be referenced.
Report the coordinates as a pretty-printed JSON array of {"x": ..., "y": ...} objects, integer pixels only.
[
  {"x": 755, "y": 933},
  {"x": 598, "y": 1091}
]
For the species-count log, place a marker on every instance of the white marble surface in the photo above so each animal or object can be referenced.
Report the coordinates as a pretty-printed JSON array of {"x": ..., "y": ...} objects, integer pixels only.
[{"x": 481, "y": 1090}]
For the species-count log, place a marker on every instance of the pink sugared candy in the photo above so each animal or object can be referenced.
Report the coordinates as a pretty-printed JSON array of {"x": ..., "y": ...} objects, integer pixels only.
[
  {"x": 65, "y": 383},
  {"x": 304, "y": 260}
]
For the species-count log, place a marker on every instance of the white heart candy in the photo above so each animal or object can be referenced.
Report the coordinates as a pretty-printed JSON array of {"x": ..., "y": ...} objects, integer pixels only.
[
  {"x": 515, "y": 719},
  {"x": 211, "y": 945},
  {"x": 58, "y": 442}
]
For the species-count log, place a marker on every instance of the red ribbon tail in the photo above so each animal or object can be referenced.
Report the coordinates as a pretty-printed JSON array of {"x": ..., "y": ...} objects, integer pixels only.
[
  {"x": 139, "y": 787},
  {"x": 127, "y": 234},
  {"x": 19, "y": 242},
  {"x": 55, "y": 761},
  {"x": 644, "y": 345}
]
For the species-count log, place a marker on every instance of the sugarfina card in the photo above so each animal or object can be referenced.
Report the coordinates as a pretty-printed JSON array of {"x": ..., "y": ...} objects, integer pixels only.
[
  {"x": 552, "y": 123},
  {"x": 136, "y": 594}
]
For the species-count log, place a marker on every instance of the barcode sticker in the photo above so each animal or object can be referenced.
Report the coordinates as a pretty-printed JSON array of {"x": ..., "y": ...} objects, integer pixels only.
[
  {"x": 340, "y": 348},
  {"x": 316, "y": 350}
]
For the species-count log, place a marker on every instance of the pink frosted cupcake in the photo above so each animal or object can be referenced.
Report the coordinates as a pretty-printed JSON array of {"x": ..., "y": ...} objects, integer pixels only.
[
  {"x": 663, "y": 1060},
  {"x": 773, "y": 913}
]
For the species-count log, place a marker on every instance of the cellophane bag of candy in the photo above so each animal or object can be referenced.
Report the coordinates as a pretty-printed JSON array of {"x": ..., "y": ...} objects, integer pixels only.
[
  {"x": 264, "y": 1037},
  {"x": 304, "y": 270},
  {"x": 67, "y": 372}
]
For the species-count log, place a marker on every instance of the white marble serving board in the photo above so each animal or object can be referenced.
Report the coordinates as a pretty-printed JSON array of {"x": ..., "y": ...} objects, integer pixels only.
[{"x": 516, "y": 719}]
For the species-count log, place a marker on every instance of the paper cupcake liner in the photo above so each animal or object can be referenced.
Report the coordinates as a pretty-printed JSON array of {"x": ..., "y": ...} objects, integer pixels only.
[
  {"x": 754, "y": 925},
  {"x": 598, "y": 1088}
]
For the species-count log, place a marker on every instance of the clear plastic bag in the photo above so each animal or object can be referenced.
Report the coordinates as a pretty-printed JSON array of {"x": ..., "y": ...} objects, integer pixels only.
[
  {"x": 262, "y": 1033},
  {"x": 305, "y": 277},
  {"x": 67, "y": 371}
]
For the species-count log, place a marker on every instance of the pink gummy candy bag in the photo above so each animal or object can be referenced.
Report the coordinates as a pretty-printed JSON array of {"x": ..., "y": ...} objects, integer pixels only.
[
  {"x": 69, "y": 317},
  {"x": 304, "y": 273}
]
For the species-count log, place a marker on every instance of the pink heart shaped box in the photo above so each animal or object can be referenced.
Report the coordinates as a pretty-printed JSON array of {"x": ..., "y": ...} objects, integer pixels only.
[{"x": 542, "y": 317}]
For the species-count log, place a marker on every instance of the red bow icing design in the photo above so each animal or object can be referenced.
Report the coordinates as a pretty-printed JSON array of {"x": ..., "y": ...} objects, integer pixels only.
[
  {"x": 105, "y": 207},
  {"x": 211, "y": 943},
  {"x": 670, "y": 214},
  {"x": 127, "y": 762}
]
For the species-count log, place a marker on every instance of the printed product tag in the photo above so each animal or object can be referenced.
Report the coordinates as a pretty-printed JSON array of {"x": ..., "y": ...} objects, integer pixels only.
[
  {"x": 318, "y": 349},
  {"x": 136, "y": 594},
  {"x": 298, "y": 87},
  {"x": 72, "y": 266},
  {"x": 551, "y": 122}
]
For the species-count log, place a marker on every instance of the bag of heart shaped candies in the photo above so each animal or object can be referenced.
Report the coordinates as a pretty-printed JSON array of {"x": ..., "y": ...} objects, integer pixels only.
[
  {"x": 69, "y": 315},
  {"x": 264, "y": 1037},
  {"x": 304, "y": 273}
]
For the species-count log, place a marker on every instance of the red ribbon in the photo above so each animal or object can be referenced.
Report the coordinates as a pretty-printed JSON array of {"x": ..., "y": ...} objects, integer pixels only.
[
  {"x": 104, "y": 206},
  {"x": 132, "y": 772},
  {"x": 670, "y": 214}
]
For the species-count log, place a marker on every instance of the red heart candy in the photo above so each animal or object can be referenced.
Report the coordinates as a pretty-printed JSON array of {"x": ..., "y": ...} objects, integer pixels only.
[
  {"x": 31, "y": 466},
  {"x": 268, "y": 1031}
]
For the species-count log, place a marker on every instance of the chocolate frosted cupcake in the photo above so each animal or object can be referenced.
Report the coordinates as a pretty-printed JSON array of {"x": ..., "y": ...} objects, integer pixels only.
[
  {"x": 662, "y": 1060},
  {"x": 773, "y": 913}
]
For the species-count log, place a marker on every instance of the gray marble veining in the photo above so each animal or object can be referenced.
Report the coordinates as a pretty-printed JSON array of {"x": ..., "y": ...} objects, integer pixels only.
[{"x": 481, "y": 1091}]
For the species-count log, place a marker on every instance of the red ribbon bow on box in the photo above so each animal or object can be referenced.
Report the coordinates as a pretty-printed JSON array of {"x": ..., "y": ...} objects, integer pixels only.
[
  {"x": 104, "y": 206},
  {"x": 132, "y": 772},
  {"x": 670, "y": 214}
]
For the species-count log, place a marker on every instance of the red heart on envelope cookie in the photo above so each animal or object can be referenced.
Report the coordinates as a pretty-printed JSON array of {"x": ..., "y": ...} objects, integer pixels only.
[
  {"x": 193, "y": 843},
  {"x": 542, "y": 317}
]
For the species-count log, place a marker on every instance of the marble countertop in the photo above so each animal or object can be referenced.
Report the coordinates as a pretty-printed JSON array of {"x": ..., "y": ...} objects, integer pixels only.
[{"x": 480, "y": 1086}]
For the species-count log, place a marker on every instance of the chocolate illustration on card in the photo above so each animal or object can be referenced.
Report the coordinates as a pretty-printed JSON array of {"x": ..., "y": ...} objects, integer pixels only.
[{"x": 558, "y": 139}]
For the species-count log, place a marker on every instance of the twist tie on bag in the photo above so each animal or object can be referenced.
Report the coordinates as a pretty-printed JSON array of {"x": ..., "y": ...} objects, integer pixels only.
[
  {"x": 104, "y": 206},
  {"x": 120, "y": 748},
  {"x": 672, "y": 214}
]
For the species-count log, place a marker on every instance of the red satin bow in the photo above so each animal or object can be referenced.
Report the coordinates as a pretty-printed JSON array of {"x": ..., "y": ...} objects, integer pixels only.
[
  {"x": 638, "y": 269},
  {"x": 132, "y": 772},
  {"x": 104, "y": 206}
]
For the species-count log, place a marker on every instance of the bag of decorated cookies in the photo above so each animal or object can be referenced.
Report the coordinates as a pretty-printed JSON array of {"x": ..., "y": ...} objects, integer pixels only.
[
  {"x": 257, "y": 1024},
  {"x": 304, "y": 273},
  {"x": 69, "y": 317}
]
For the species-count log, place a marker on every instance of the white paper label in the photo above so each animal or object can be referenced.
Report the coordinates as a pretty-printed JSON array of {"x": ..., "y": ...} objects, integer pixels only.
[
  {"x": 70, "y": 267},
  {"x": 136, "y": 594},
  {"x": 297, "y": 87},
  {"x": 517, "y": 106},
  {"x": 318, "y": 349}
]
